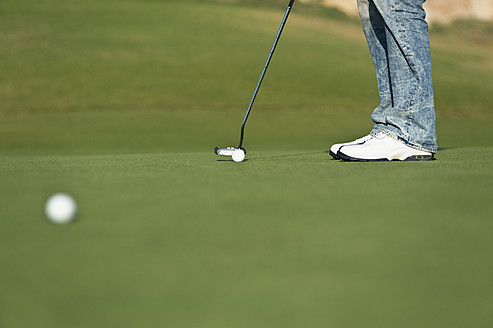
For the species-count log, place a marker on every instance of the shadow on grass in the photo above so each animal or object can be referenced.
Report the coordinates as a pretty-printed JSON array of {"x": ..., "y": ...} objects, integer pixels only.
[{"x": 277, "y": 156}]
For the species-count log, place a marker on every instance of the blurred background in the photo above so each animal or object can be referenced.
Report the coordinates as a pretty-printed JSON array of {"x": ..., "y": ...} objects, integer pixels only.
[
  {"x": 113, "y": 75},
  {"x": 438, "y": 11}
]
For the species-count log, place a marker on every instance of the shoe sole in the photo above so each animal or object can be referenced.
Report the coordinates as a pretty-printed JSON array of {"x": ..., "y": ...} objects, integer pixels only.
[
  {"x": 414, "y": 158},
  {"x": 334, "y": 156}
]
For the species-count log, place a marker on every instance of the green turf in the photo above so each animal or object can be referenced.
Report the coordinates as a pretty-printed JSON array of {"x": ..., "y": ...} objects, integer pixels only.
[
  {"x": 121, "y": 103},
  {"x": 284, "y": 239},
  {"x": 95, "y": 55}
]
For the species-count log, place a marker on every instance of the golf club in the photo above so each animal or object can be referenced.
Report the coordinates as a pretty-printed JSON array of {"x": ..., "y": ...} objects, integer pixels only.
[{"x": 231, "y": 151}]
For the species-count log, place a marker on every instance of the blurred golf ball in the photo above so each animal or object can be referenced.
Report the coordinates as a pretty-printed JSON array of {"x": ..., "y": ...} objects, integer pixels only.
[
  {"x": 61, "y": 208},
  {"x": 238, "y": 155}
]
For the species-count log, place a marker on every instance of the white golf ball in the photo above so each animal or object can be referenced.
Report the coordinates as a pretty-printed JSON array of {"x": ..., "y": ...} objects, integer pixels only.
[
  {"x": 238, "y": 155},
  {"x": 61, "y": 208}
]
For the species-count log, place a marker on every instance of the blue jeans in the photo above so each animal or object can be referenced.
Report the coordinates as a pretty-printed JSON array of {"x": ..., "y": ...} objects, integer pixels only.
[{"x": 397, "y": 36}]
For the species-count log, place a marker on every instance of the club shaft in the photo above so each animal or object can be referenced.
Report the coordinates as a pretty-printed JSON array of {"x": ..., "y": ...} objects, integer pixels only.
[{"x": 285, "y": 18}]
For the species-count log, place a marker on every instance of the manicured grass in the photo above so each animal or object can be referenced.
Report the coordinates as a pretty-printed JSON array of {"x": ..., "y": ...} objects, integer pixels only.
[
  {"x": 287, "y": 238},
  {"x": 57, "y": 57},
  {"x": 120, "y": 103},
  {"x": 95, "y": 55},
  {"x": 144, "y": 131}
]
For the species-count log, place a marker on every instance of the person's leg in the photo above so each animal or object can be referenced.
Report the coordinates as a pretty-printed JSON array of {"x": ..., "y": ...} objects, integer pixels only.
[
  {"x": 376, "y": 37},
  {"x": 374, "y": 30},
  {"x": 397, "y": 36},
  {"x": 411, "y": 116}
]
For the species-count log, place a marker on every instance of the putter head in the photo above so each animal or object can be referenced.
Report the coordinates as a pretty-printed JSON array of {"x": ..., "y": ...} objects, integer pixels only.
[{"x": 228, "y": 151}]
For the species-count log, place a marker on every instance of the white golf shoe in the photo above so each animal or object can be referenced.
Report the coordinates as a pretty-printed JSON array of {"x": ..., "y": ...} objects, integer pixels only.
[
  {"x": 335, "y": 148},
  {"x": 381, "y": 147}
]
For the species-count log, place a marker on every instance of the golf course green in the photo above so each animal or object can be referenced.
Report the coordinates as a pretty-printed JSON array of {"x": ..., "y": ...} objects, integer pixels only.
[{"x": 121, "y": 103}]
